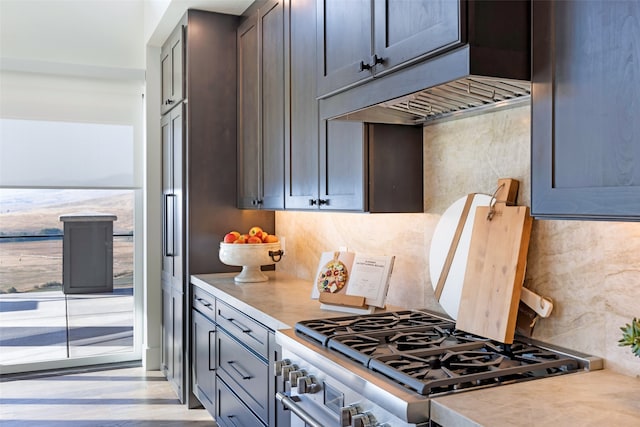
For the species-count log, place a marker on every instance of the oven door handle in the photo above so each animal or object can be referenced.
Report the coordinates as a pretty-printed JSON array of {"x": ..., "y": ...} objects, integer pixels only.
[{"x": 291, "y": 404}]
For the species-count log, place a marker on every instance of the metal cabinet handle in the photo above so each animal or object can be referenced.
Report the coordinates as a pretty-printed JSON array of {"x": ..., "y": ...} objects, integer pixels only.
[
  {"x": 212, "y": 351},
  {"x": 205, "y": 303},
  {"x": 169, "y": 231},
  {"x": 313, "y": 202},
  {"x": 256, "y": 202},
  {"x": 237, "y": 324},
  {"x": 291, "y": 404},
  {"x": 230, "y": 418},
  {"x": 363, "y": 66},
  {"x": 375, "y": 60},
  {"x": 323, "y": 201},
  {"x": 239, "y": 371}
]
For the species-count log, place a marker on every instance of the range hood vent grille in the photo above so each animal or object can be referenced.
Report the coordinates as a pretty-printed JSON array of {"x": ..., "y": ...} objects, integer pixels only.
[{"x": 456, "y": 99}]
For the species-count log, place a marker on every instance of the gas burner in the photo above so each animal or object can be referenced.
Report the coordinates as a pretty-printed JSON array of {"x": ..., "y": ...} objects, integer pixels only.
[
  {"x": 430, "y": 372},
  {"x": 322, "y": 330}
]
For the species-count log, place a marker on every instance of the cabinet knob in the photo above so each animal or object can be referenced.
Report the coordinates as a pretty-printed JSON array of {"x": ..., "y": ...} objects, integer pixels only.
[
  {"x": 323, "y": 201},
  {"x": 256, "y": 202},
  {"x": 363, "y": 66},
  {"x": 168, "y": 102},
  {"x": 313, "y": 202},
  {"x": 375, "y": 60}
]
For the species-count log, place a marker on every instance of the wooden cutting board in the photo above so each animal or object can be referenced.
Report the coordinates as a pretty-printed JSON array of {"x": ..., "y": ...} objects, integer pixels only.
[{"x": 495, "y": 267}]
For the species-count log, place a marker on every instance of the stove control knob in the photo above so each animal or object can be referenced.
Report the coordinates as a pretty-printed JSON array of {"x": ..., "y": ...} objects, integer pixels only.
[
  {"x": 294, "y": 375},
  {"x": 347, "y": 413},
  {"x": 308, "y": 384},
  {"x": 363, "y": 420},
  {"x": 279, "y": 364},
  {"x": 286, "y": 369}
]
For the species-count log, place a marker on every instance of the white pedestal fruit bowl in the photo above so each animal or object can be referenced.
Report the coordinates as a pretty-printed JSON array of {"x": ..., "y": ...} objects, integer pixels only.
[{"x": 250, "y": 256}]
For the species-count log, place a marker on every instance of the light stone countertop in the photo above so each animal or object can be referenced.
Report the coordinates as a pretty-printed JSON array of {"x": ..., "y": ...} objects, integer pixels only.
[
  {"x": 588, "y": 399},
  {"x": 596, "y": 398},
  {"x": 278, "y": 303}
]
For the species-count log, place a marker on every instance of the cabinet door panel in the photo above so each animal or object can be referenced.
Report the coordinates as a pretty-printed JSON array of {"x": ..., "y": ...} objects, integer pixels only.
[
  {"x": 245, "y": 373},
  {"x": 585, "y": 132},
  {"x": 342, "y": 154},
  {"x": 172, "y": 179},
  {"x": 301, "y": 150},
  {"x": 344, "y": 39},
  {"x": 204, "y": 363},
  {"x": 272, "y": 72},
  {"x": 249, "y": 151},
  {"x": 414, "y": 29},
  {"x": 172, "y": 65}
]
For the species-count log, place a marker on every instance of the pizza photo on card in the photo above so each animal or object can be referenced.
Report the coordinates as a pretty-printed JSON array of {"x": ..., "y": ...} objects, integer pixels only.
[
  {"x": 333, "y": 275},
  {"x": 333, "y": 272}
]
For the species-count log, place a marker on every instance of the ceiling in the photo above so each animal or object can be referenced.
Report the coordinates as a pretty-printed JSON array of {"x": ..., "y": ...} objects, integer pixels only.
[{"x": 100, "y": 33}]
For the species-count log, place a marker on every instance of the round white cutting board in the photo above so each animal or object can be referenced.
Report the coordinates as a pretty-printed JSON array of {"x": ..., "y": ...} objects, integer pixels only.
[{"x": 440, "y": 244}]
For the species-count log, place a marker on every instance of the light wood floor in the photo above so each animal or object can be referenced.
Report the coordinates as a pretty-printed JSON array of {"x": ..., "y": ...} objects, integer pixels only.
[{"x": 123, "y": 397}]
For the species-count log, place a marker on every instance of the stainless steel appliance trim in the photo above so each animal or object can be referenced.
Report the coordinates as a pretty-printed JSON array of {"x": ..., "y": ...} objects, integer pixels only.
[{"x": 300, "y": 412}]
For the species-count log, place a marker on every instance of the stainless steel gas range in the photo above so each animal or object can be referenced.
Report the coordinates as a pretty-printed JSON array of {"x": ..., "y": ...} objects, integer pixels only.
[{"x": 382, "y": 369}]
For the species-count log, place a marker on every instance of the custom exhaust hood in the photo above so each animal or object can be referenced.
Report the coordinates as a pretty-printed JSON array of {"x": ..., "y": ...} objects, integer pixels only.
[
  {"x": 490, "y": 70},
  {"x": 460, "y": 98}
]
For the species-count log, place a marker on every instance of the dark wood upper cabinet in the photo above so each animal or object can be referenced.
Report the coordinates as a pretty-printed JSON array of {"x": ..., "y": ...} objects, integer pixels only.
[
  {"x": 172, "y": 69},
  {"x": 340, "y": 165},
  {"x": 301, "y": 148},
  {"x": 261, "y": 108},
  {"x": 359, "y": 39},
  {"x": 585, "y": 158}
]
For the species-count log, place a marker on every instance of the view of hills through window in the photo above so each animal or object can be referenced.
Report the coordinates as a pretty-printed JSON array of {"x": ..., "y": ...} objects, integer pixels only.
[{"x": 31, "y": 234}]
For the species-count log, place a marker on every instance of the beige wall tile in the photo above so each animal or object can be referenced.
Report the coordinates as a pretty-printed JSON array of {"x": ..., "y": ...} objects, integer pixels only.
[{"x": 591, "y": 270}]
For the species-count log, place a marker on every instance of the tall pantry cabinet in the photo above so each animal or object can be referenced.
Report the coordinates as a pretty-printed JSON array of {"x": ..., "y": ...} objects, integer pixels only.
[{"x": 198, "y": 173}]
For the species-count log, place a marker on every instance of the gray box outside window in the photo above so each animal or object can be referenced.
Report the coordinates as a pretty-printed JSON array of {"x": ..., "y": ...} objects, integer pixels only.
[{"x": 87, "y": 253}]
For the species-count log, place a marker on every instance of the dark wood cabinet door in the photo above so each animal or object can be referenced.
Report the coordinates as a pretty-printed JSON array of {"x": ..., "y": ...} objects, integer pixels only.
[
  {"x": 272, "y": 65},
  {"x": 345, "y": 40},
  {"x": 172, "y": 66},
  {"x": 172, "y": 364},
  {"x": 342, "y": 165},
  {"x": 301, "y": 150},
  {"x": 172, "y": 183},
  {"x": 261, "y": 109},
  {"x": 249, "y": 150},
  {"x": 204, "y": 363},
  {"x": 412, "y": 30},
  {"x": 585, "y": 129}
]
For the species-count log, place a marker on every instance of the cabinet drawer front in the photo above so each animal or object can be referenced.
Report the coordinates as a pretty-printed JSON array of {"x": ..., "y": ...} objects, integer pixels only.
[
  {"x": 231, "y": 412},
  {"x": 204, "y": 303},
  {"x": 245, "y": 373},
  {"x": 243, "y": 328}
]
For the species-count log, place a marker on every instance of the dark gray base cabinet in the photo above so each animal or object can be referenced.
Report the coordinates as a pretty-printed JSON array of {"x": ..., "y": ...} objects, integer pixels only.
[
  {"x": 232, "y": 364},
  {"x": 585, "y": 131},
  {"x": 203, "y": 335}
]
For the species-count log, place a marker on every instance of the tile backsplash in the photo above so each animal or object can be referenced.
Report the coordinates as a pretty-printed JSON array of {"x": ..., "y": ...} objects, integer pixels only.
[{"x": 591, "y": 270}]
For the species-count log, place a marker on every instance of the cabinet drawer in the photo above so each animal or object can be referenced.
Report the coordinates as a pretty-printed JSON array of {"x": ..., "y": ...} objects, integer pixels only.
[
  {"x": 231, "y": 412},
  {"x": 204, "y": 302},
  {"x": 245, "y": 373},
  {"x": 243, "y": 328}
]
